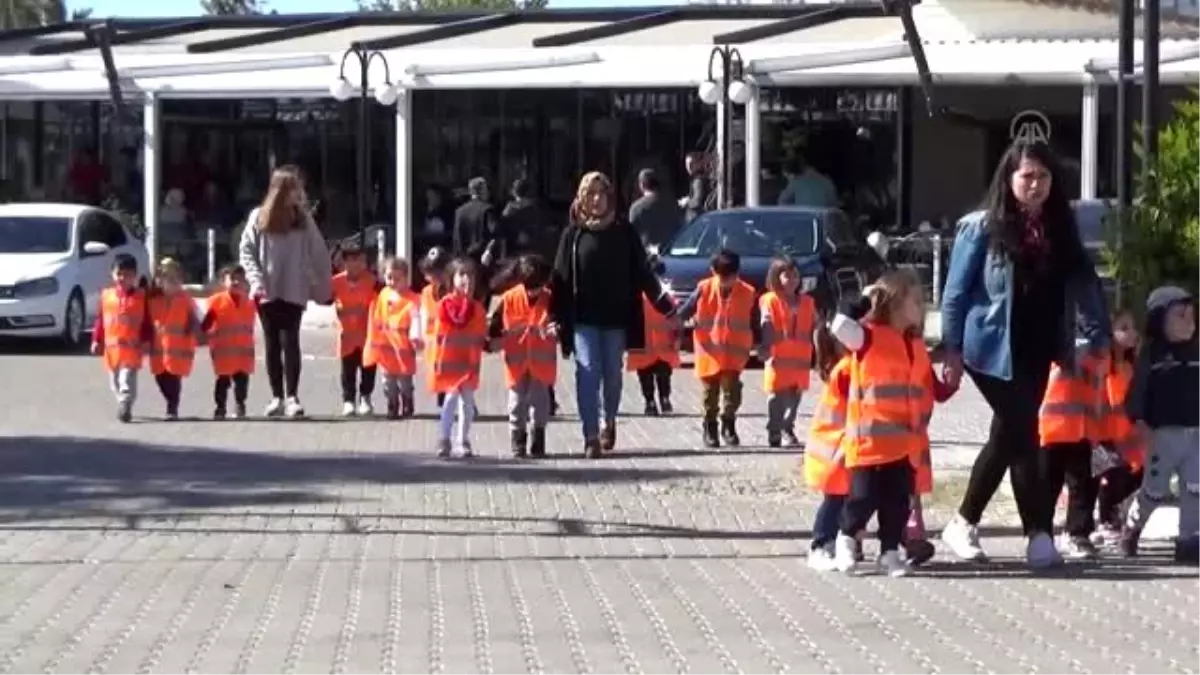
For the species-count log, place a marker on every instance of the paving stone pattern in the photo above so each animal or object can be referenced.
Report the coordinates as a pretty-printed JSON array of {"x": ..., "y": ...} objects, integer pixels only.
[{"x": 343, "y": 546}]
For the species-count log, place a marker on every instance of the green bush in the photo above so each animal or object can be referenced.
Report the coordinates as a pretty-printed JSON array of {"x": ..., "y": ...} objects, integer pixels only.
[{"x": 1158, "y": 240}]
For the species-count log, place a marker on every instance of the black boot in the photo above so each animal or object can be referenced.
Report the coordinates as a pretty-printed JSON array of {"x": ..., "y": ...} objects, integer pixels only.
[
  {"x": 519, "y": 441},
  {"x": 407, "y": 407},
  {"x": 393, "y": 408},
  {"x": 789, "y": 439},
  {"x": 651, "y": 408},
  {"x": 729, "y": 433},
  {"x": 664, "y": 405},
  {"x": 774, "y": 439},
  {"x": 710, "y": 434},
  {"x": 537, "y": 444},
  {"x": 1187, "y": 551},
  {"x": 1129, "y": 542}
]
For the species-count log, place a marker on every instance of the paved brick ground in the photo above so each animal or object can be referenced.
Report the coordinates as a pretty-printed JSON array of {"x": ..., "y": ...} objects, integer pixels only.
[{"x": 341, "y": 546}]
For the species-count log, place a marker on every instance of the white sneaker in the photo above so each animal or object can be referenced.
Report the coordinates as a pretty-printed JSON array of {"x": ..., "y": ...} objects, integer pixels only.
[
  {"x": 962, "y": 538},
  {"x": 274, "y": 408},
  {"x": 365, "y": 407},
  {"x": 893, "y": 564},
  {"x": 843, "y": 554},
  {"x": 1041, "y": 553},
  {"x": 821, "y": 559},
  {"x": 292, "y": 408},
  {"x": 348, "y": 409}
]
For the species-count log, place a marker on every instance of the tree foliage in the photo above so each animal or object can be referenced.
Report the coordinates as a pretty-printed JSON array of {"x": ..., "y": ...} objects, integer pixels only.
[
  {"x": 1158, "y": 241},
  {"x": 447, "y": 5},
  {"x": 29, "y": 13},
  {"x": 233, "y": 7}
]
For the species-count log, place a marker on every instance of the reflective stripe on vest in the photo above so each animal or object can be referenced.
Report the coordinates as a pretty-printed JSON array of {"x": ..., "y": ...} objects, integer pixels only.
[
  {"x": 124, "y": 316},
  {"x": 887, "y": 399},
  {"x": 722, "y": 331}
]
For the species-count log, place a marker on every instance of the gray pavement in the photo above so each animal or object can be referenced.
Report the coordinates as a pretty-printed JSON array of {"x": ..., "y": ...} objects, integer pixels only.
[{"x": 343, "y": 546}]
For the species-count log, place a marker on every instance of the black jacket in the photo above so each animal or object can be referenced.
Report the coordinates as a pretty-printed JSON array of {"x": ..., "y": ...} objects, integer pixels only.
[
  {"x": 656, "y": 218},
  {"x": 475, "y": 225},
  {"x": 565, "y": 287}
]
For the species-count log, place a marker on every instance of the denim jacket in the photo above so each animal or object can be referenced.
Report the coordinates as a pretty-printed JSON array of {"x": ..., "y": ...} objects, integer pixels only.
[{"x": 977, "y": 304}]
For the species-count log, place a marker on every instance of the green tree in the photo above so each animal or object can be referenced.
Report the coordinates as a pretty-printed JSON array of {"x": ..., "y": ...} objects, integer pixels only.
[
  {"x": 447, "y": 5},
  {"x": 29, "y": 13},
  {"x": 1158, "y": 240},
  {"x": 233, "y": 7}
]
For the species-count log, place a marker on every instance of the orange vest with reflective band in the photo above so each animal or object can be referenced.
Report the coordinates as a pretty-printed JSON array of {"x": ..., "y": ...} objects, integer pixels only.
[
  {"x": 921, "y": 459},
  {"x": 429, "y": 312},
  {"x": 824, "y": 460},
  {"x": 174, "y": 347},
  {"x": 389, "y": 343},
  {"x": 458, "y": 351},
  {"x": 124, "y": 314},
  {"x": 661, "y": 342},
  {"x": 352, "y": 300},
  {"x": 1074, "y": 407},
  {"x": 886, "y": 398},
  {"x": 1123, "y": 434},
  {"x": 791, "y": 350},
  {"x": 231, "y": 336},
  {"x": 722, "y": 335},
  {"x": 527, "y": 350}
]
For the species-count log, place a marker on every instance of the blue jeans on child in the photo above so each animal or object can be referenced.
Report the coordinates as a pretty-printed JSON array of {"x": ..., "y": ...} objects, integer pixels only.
[
  {"x": 825, "y": 524},
  {"x": 598, "y": 376}
]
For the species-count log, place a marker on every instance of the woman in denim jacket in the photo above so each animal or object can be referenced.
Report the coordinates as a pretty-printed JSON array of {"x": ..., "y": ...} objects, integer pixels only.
[{"x": 1018, "y": 277}]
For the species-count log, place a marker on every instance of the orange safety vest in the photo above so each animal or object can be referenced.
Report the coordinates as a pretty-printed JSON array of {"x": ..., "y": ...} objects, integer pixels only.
[
  {"x": 174, "y": 347},
  {"x": 231, "y": 337},
  {"x": 352, "y": 299},
  {"x": 457, "y": 351},
  {"x": 661, "y": 342},
  {"x": 526, "y": 347},
  {"x": 124, "y": 314},
  {"x": 792, "y": 349},
  {"x": 1124, "y": 435},
  {"x": 921, "y": 459},
  {"x": 389, "y": 343},
  {"x": 1074, "y": 406},
  {"x": 722, "y": 335},
  {"x": 884, "y": 415},
  {"x": 824, "y": 459},
  {"x": 429, "y": 312}
]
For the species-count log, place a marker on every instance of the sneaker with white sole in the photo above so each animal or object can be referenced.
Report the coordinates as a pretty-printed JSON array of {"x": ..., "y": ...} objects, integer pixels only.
[
  {"x": 274, "y": 408},
  {"x": 1077, "y": 548},
  {"x": 1106, "y": 535},
  {"x": 348, "y": 409},
  {"x": 365, "y": 407},
  {"x": 893, "y": 564},
  {"x": 1041, "y": 553},
  {"x": 292, "y": 408},
  {"x": 962, "y": 538},
  {"x": 821, "y": 559},
  {"x": 843, "y": 554}
]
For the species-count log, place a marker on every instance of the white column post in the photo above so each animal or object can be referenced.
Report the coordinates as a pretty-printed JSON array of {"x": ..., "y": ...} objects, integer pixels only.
[
  {"x": 1089, "y": 139},
  {"x": 151, "y": 173},
  {"x": 404, "y": 224},
  {"x": 753, "y": 144},
  {"x": 719, "y": 165}
]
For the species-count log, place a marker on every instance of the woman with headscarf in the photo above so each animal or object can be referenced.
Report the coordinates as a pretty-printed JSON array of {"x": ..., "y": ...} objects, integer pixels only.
[{"x": 600, "y": 275}]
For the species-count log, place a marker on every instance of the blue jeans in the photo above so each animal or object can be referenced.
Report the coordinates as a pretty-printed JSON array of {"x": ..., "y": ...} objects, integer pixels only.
[
  {"x": 598, "y": 361},
  {"x": 825, "y": 524}
]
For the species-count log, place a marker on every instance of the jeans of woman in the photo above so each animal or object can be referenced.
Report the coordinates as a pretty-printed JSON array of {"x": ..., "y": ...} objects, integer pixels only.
[
  {"x": 281, "y": 342},
  {"x": 598, "y": 375},
  {"x": 826, "y": 521}
]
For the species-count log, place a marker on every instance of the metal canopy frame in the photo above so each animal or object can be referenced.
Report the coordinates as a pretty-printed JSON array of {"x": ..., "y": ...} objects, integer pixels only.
[
  {"x": 614, "y": 28},
  {"x": 123, "y": 38},
  {"x": 444, "y": 31},
  {"x": 810, "y": 19},
  {"x": 279, "y": 35}
]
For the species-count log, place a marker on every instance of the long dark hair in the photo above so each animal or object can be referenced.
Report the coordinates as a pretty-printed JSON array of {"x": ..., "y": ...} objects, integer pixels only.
[{"x": 1005, "y": 221}]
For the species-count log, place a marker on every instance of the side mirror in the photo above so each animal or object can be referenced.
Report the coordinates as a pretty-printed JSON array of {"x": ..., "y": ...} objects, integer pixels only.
[
  {"x": 94, "y": 248},
  {"x": 879, "y": 243}
]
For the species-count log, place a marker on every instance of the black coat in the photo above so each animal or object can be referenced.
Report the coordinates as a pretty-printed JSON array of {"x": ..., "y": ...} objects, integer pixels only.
[{"x": 564, "y": 287}]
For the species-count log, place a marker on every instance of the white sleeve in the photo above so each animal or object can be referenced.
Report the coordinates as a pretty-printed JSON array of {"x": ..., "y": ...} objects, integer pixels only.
[
  {"x": 416, "y": 330},
  {"x": 848, "y": 332}
]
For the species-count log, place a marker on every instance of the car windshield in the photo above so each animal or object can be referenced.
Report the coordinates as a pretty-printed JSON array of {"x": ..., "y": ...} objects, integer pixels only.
[
  {"x": 749, "y": 233},
  {"x": 34, "y": 234}
]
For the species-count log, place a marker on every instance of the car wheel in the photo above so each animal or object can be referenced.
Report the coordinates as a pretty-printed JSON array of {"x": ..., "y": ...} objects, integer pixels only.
[{"x": 74, "y": 321}]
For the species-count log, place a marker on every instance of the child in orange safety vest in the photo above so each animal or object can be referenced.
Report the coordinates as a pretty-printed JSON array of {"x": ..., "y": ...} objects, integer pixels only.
[
  {"x": 888, "y": 399},
  {"x": 229, "y": 324},
  {"x": 656, "y": 361},
  {"x": 824, "y": 465},
  {"x": 354, "y": 289},
  {"x": 122, "y": 331},
  {"x": 1117, "y": 464},
  {"x": 528, "y": 340},
  {"x": 723, "y": 312},
  {"x": 433, "y": 271},
  {"x": 176, "y": 326},
  {"x": 393, "y": 338},
  {"x": 459, "y": 337},
  {"x": 787, "y": 334}
]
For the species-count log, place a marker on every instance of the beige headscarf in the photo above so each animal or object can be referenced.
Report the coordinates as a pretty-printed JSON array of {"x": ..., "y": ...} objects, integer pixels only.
[{"x": 582, "y": 213}]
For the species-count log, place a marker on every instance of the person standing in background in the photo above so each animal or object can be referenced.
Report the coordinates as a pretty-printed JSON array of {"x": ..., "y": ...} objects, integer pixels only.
[
  {"x": 698, "y": 189},
  {"x": 806, "y": 186},
  {"x": 653, "y": 216}
]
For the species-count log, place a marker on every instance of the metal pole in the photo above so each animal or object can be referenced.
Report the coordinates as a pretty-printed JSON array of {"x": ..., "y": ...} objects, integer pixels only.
[
  {"x": 753, "y": 147},
  {"x": 1089, "y": 139},
  {"x": 1150, "y": 63},
  {"x": 1124, "y": 155},
  {"x": 904, "y": 182},
  {"x": 727, "y": 138},
  {"x": 404, "y": 184},
  {"x": 937, "y": 270},
  {"x": 363, "y": 167},
  {"x": 151, "y": 172},
  {"x": 212, "y": 254}
]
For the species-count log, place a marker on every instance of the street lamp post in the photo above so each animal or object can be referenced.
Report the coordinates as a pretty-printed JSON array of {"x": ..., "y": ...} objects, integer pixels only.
[
  {"x": 729, "y": 88},
  {"x": 386, "y": 94}
]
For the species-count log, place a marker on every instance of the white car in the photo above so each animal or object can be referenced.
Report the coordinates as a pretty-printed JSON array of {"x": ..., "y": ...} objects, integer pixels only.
[{"x": 55, "y": 260}]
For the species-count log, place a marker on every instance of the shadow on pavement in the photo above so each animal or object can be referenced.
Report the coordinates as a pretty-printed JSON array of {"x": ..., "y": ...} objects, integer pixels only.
[{"x": 45, "y": 477}]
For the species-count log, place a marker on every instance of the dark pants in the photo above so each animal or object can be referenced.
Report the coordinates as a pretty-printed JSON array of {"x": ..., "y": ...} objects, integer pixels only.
[
  {"x": 826, "y": 522},
  {"x": 353, "y": 385},
  {"x": 1119, "y": 484},
  {"x": 655, "y": 376},
  {"x": 721, "y": 395},
  {"x": 884, "y": 491},
  {"x": 241, "y": 389},
  {"x": 1012, "y": 446},
  {"x": 171, "y": 386},
  {"x": 1069, "y": 464},
  {"x": 281, "y": 344}
]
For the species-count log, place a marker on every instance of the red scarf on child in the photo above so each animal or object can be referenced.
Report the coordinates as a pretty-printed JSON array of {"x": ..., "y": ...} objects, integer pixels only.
[{"x": 457, "y": 309}]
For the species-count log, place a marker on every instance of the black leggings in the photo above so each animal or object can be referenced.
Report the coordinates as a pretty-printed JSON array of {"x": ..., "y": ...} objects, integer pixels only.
[
  {"x": 1119, "y": 484},
  {"x": 1013, "y": 446},
  {"x": 281, "y": 342}
]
